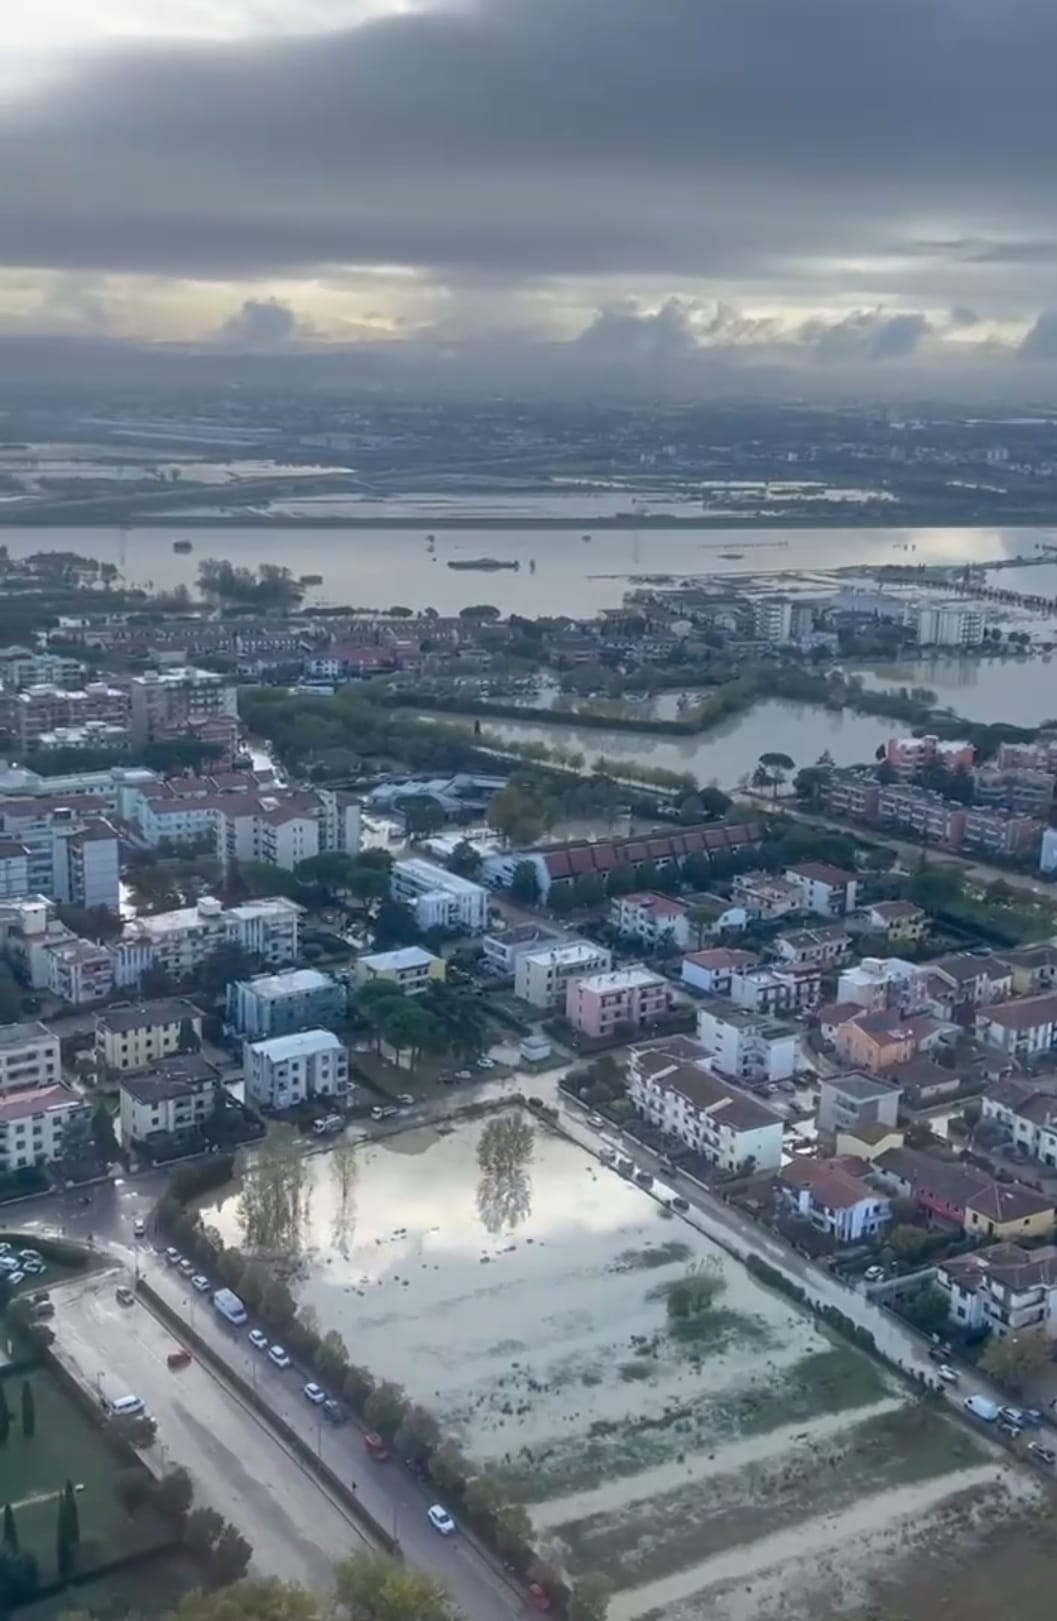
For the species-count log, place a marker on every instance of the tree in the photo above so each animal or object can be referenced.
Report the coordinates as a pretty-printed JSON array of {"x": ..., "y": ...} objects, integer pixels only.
[
  {"x": 29, "y": 1411},
  {"x": 504, "y": 1154},
  {"x": 589, "y": 1599},
  {"x": 133, "y": 1489},
  {"x": 394, "y": 926},
  {"x": 480, "y": 610},
  {"x": 230, "y": 961},
  {"x": 417, "y": 1436},
  {"x": 928, "y": 1309},
  {"x": 525, "y": 884},
  {"x": 448, "y": 1469},
  {"x": 375, "y": 1587},
  {"x": 275, "y": 1190},
  {"x": 174, "y": 1495},
  {"x": 202, "y": 1532},
  {"x": 19, "y": 1579},
  {"x": 1017, "y": 1360},
  {"x": 465, "y": 860},
  {"x": 405, "y": 1027},
  {"x": 386, "y": 1408},
  {"x": 777, "y": 766},
  {"x": 422, "y": 814},
  {"x": 909, "y": 1243},
  {"x": 103, "y": 1134},
  {"x": 231, "y": 1557},
  {"x": 518, "y": 816},
  {"x": 10, "y": 1529}
]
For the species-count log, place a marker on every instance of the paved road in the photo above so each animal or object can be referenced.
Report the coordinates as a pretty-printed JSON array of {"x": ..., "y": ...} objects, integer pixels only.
[
  {"x": 387, "y": 1490},
  {"x": 238, "y": 1465}
]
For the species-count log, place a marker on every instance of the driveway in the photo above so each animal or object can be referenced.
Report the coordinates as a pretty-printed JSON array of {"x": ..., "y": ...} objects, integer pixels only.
[{"x": 238, "y": 1465}]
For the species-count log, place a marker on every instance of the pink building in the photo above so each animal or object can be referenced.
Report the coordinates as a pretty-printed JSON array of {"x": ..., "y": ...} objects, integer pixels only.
[
  {"x": 608, "y": 1004},
  {"x": 908, "y": 755}
]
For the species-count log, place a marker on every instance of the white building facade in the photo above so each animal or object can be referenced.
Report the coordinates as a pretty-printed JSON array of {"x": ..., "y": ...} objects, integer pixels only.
[{"x": 286, "y": 1070}]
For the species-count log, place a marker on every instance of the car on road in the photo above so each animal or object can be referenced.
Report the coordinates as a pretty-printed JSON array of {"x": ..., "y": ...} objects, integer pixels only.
[
  {"x": 315, "y": 1394},
  {"x": 1012, "y": 1415},
  {"x": 405, "y": 1099},
  {"x": 1044, "y": 1455},
  {"x": 258, "y": 1339},
  {"x": 280, "y": 1357},
  {"x": 981, "y": 1407},
  {"x": 173, "y": 1256},
  {"x": 200, "y": 1282},
  {"x": 376, "y": 1446},
  {"x": 677, "y": 1202},
  {"x": 124, "y": 1295},
  {"x": 486, "y": 1063},
  {"x": 333, "y": 1412},
  {"x": 463, "y": 1075},
  {"x": 1009, "y": 1428},
  {"x": 440, "y": 1520},
  {"x": 139, "y": 1227},
  {"x": 186, "y": 1267},
  {"x": 873, "y": 1274},
  {"x": 15, "y": 1276},
  {"x": 178, "y": 1358},
  {"x": 949, "y": 1375}
]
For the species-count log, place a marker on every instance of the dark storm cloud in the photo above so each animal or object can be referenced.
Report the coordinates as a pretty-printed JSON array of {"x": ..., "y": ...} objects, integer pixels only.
[
  {"x": 260, "y": 323},
  {"x": 1040, "y": 341},
  {"x": 527, "y": 137}
]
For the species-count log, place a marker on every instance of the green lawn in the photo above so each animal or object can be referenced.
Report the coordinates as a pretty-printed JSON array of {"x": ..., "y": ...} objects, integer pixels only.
[{"x": 65, "y": 1446}]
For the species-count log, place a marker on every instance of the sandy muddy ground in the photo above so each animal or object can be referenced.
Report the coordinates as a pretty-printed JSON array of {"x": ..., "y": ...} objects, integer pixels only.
[{"x": 754, "y": 1470}]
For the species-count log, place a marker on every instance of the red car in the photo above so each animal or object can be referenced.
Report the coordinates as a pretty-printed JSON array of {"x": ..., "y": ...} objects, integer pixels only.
[
  {"x": 178, "y": 1358},
  {"x": 376, "y": 1446}
]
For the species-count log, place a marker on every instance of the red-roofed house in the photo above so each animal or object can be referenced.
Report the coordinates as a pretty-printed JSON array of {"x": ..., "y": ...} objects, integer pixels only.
[
  {"x": 711, "y": 971},
  {"x": 834, "y": 1196},
  {"x": 561, "y": 863},
  {"x": 827, "y": 891},
  {"x": 32, "y": 1124}
]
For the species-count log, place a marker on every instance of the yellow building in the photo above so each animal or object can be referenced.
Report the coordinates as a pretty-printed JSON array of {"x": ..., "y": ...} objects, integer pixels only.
[
  {"x": 868, "y": 1139},
  {"x": 1009, "y": 1210},
  {"x": 133, "y": 1037},
  {"x": 412, "y": 968}
]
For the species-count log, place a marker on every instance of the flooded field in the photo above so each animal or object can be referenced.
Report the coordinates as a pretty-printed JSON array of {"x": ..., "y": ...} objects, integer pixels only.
[{"x": 716, "y": 1464}]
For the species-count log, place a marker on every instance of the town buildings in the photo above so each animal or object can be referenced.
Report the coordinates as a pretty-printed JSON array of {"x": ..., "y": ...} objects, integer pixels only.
[
  {"x": 723, "y": 1124},
  {"x": 1004, "y": 1289},
  {"x": 177, "y": 1096},
  {"x": 712, "y": 971},
  {"x": 135, "y": 1036},
  {"x": 652, "y": 919},
  {"x": 182, "y": 700},
  {"x": 962, "y": 1196},
  {"x": 29, "y": 1057},
  {"x": 747, "y": 1046},
  {"x": 564, "y": 863},
  {"x": 947, "y": 624},
  {"x": 834, "y": 1197},
  {"x": 621, "y": 1001},
  {"x": 412, "y": 969},
  {"x": 910, "y": 755},
  {"x": 542, "y": 977},
  {"x": 277, "y": 1004},
  {"x": 439, "y": 898},
  {"x": 71, "y": 854},
  {"x": 33, "y": 1124},
  {"x": 1022, "y": 1029},
  {"x": 848, "y": 1102},
  {"x": 180, "y": 941},
  {"x": 825, "y": 890},
  {"x": 501, "y": 949},
  {"x": 286, "y": 1070}
]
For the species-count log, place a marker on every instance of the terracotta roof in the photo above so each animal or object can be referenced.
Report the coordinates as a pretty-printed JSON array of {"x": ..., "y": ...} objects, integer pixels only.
[
  {"x": 1009, "y": 1266},
  {"x": 820, "y": 872},
  {"x": 1024, "y": 1014},
  {"x": 1008, "y": 1201},
  {"x": 962, "y": 966},
  {"x": 835, "y": 1183},
  {"x": 838, "y": 1012},
  {"x": 37, "y": 1100},
  {"x": 585, "y": 856},
  {"x": 722, "y": 957},
  {"x": 724, "y": 1103},
  {"x": 895, "y": 911},
  {"x": 649, "y": 900}
]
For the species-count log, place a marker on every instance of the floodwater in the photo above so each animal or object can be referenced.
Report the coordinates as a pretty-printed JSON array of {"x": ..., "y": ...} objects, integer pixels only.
[
  {"x": 1021, "y": 690},
  {"x": 377, "y": 567},
  {"x": 728, "y": 753}
]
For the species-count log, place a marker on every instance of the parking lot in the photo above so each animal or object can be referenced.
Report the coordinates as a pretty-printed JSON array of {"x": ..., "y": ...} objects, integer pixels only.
[{"x": 239, "y": 1467}]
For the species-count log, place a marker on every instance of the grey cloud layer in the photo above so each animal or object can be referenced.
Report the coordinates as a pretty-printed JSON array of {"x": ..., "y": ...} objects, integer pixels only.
[{"x": 733, "y": 139}]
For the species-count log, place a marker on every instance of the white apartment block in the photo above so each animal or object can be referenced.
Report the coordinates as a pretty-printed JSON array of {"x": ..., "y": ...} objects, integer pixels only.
[
  {"x": 439, "y": 898},
  {"x": 286, "y": 1070},
  {"x": 14, "y": 869},
  {"x": 33, "y": 1124},
  {"x": 177, "y": 1097},
  {"x": 876, "y": 983},
  {"x": 71, "y": 853},
  {"x": 168, "y": 702},
  {"x": 29, "y": 1057},
  {"x": 651, "y": 918},
  {"x": 947, "y": 624},
  {"x": 542, "y": 977},
  {"x": 724, "y": 1125},
  {"x": 78, "y": 971},
  {"x": 180, "y": 941},
  {"x": 747, "y": 1046},
  {"x": 828, "y": 891},
  {"x": 1023, "y": 1029},
  {"x": 412, "y": 969}
]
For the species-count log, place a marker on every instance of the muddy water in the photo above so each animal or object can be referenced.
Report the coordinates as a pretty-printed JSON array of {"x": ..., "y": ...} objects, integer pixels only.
[
  {"x": 881, "y": 1513},
  {"x": 511, "y": 1310}
]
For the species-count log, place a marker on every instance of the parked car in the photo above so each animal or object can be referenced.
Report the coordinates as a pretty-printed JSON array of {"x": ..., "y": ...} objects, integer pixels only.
[
  {"x": 677, "y": 1202},
  {"x": 173, "y": 1256},
  {"x": 441, "y": 1520},
  {"x": 486, "y": 1063},
  {"x": 1044, "y": 1455},
  {"x": 280, "y": 1357},
  {"x": 948, "y": 1374},
  {"x": 200, "y": 1282},
  {"x": 1012, "y": 1415},
  {"x": 981, "y": 1407},
  {"x": 1009, "y": 1428},
  {"x": 376, "y": 1446},
  {"x": 406, "y": 1099},
  {"x": 315, "y": 1394},
  {"x": 258, "y": 1339},
  {"x": 139, "y": 1227},
  {"x": 333, "y": 1412},
  {"x": 186, "y": 1267},
  {"x": 873, "y": 1274}
]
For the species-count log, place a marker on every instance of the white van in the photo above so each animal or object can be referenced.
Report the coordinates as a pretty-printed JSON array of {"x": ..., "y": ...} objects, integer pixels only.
[
  {"x": 981, "y": 1407},
  {"x": 121, "y": 1406}
]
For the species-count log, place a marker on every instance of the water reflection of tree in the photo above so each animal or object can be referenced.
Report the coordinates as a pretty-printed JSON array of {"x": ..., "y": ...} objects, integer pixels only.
[
  {"x": 504, "y": 1154},
  {"x": 276, "y": 1190},
  {"x": 345, "y": 1170}
]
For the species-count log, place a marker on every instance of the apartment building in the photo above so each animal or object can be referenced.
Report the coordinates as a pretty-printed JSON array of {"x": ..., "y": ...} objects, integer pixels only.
[
  {"x": 137, "y": 1035},
  {"x": 947, "y": 624},
  {"x": 853, "y": 794},
  {"x": 1022, "y": 1029},
  {"x": 412, "y": 969},
  {"x": 1029, "y": 792},
  {"x": 898, "y": 920},
  {"x": 822, "y": 948},
  {"x": 777, "y": 989},
  {"x": 747, "y": 1046},
  {"x": 623, "y": 1000},
  {"x": 878, "y": 1041},
  {"x": 1034, "y": 968},
  {"x": 27, "y": 667},
  {"x": 78, "y": 971},
  {"x": 834, "y": 1197},
  {"x": 652, "y": 919},
  {"x": 876, "y": 983},
  {"x": 998, "y": 831},
  {"x": 278, "y": 1004},
  {"x": 180, "y": 941},
  {"x": 286, "y": 1070},
  {"x": 825, "y": 890},
  {"x": 712, "y": 971},
  {"x": 963, "y": 980},
  {"x": 172, "y": 702},
  {"x": 765, "y": 897},
  {"x": 947, "y": 1190},
  {"x": 33, "y": 1125},
  {"x": 563, "y": 863},
  {"x": 542, "y": 977},
  {"x": 502, "y": 949},
  {"x": 71, "y": 852},
  {"x": 910, "y": 755},
  {"x": 723, "y": 1124},
  {"x": 439, "y": 898},
  {"x": 848, "y": 1102},
  {"x": 29, "y": 1057},
  {"x": 45, "y": 708},
  {"x": 1026, "y": 1112},
  {"x": 14, "y": 869},
  {"x": 179, "y": 1095},
  {"x": 1005, "y": 1289}
]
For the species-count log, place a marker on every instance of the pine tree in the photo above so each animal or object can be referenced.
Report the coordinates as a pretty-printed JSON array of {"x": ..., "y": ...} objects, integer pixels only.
[
  {"x": 10, "y": 1529},
  {"x": 29, "y": 1411}
]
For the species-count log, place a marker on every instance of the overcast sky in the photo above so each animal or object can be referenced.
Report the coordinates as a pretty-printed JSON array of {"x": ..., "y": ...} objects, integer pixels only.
[{"x": 833, "y": 189}]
